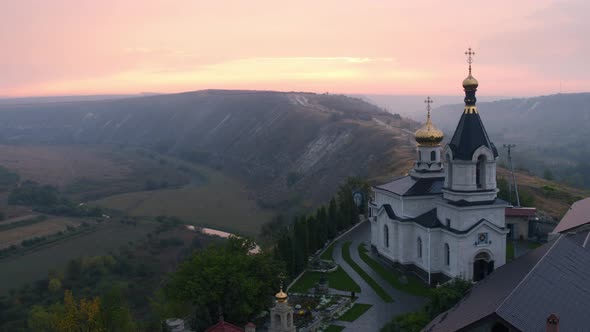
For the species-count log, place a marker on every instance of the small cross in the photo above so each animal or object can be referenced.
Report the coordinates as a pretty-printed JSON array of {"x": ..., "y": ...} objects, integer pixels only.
[
  {"x": 428, "y": 101},
  {"x": 470, "y": 55}
]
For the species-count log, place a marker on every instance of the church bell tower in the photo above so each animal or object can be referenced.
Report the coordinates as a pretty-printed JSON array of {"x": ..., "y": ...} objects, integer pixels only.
[
  {"x": 281, "y": 315},
  {"x": 470, "y": 157}
]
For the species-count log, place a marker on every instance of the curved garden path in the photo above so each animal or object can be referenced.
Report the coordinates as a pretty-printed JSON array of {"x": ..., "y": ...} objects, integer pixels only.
[{"x": 381, "y": 312}]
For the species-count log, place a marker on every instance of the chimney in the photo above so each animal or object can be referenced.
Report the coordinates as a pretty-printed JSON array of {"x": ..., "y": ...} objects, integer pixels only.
[
  {"x": 552, "y": 323},
  {"x": 250, "y": 327}
]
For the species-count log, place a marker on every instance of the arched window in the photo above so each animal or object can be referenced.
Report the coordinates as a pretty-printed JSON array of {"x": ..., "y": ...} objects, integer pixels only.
[
  {"x": 480, "y": 171},
  {"x": 386, "y": 236},
  {"x": 419, "y": 248},
  {"x": 447, "y": 254},
  {"x": 419, "y": 155},
  {"x": 432, "y": 155}
]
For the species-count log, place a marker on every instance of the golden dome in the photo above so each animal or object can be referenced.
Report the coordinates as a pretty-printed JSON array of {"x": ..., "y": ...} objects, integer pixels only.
[
  {"x": 428, "y": 135},
  {"x": 470, "y": 82},
  {"x": 281, "y": 296}
]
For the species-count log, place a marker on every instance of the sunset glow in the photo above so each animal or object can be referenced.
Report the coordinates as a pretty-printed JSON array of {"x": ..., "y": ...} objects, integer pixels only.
[{"x": 63, "y": 47}]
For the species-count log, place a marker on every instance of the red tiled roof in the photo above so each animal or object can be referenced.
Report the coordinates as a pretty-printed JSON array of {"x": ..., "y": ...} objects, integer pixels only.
[
  {"x": 577, "y": 215},
  {"x": 224, "y": 327},
  {"x": 521, "y": 212}
]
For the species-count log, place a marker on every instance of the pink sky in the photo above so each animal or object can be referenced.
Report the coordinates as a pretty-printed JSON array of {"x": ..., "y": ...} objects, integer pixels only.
[{"x": 63, "y": 47}]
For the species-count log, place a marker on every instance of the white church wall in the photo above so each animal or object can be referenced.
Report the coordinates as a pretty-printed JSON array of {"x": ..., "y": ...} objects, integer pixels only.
[
  {"x": 468, "y": 249},
  {"x": 418, "y": 205},
  {"x": 463, "y": 176},
  {"x": 374, "y": 232},
  {"x": 463, "y": 218},
  {"x": 490, "y": 178},
  {"x": 391, "y": 199}
]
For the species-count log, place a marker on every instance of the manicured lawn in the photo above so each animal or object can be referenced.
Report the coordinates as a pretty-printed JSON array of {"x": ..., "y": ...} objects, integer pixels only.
[
  {"x": 329, "y": 253},
  {"x": 357, "y": 310},
  {"x": 509, "y": 250},
  {"x": 378, "y": 289},
  {"x": 338, "y": 279},
  {"x": 334, "y": 328},
  {"x": 414, "y": 285}
]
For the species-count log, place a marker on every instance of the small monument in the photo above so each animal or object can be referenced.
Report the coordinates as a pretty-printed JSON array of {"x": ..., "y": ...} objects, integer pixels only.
[
  {"x": 323, "y": 285},
  {"x": 281, "y": 315}
]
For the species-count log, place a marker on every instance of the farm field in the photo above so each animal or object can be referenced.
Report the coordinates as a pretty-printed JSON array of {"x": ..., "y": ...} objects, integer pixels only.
[
  {"x": 49, "y": 226},
  {"x": 32, "y": 266},
  {"x": 221, "y": 203},
  {"x": 87, "y": 172},
  {"x": 61, "y": 165}
]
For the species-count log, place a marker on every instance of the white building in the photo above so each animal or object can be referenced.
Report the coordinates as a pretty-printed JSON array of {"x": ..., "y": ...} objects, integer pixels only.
[{"x": 443, "y": 219}]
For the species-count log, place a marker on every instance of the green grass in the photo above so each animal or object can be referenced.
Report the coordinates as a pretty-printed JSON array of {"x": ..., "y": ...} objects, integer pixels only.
[
  {"x": 338, "y": 279},
  {"x": 334, "y": 328},
  {"x": 378, "y": 289},
  {"x": 204, "y": 204},
  {"x": 414, "y": 285},
  {"x": 509, "y": 250},
  {"x": 357, "y": 310},
  {"x": 34, "y": 265},
  {"x": 329, "y": 253}
]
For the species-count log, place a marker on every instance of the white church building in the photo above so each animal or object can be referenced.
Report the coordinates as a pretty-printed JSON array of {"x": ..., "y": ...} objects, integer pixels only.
[{"x": 443, "y": 219}]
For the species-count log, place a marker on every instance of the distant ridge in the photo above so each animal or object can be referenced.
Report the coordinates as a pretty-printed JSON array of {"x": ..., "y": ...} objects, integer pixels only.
[{"x": 293, "y": 148}]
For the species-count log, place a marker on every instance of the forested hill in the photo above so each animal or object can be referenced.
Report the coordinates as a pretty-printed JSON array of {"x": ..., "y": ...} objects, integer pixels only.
[
  {"x": 551, "y": 133},
  {"x": 292, "y": 148}
]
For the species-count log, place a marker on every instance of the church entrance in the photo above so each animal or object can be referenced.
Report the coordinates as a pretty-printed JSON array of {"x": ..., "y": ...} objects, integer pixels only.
[{"x": 483, "y": 265}]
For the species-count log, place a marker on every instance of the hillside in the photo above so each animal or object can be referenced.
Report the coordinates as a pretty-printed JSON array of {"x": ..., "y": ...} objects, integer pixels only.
[
  {"x": 550, "y": 133},
  {"x": 551, "y": 198},
  {"x": 292, "y": 149}
]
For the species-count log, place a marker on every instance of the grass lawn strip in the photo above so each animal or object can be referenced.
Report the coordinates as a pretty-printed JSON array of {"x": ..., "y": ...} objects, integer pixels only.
[
  {"x": 329, "y": 253},
  {"x": 334, "y": 328},
  {"x": 357, "y": 310},
  {"x": 378, "y": 289},
  {"x": 338, "y": 279},
  {"x": 509, "y": 250},
  {"x": 414, "y": 285}
]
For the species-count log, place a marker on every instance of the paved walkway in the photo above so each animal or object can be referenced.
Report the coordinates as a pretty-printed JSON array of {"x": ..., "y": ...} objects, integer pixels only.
[{"x": 381, "y": 312}]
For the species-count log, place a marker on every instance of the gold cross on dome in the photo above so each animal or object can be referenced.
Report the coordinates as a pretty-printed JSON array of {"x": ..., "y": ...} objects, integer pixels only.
[{"x": 470, "y": 53}]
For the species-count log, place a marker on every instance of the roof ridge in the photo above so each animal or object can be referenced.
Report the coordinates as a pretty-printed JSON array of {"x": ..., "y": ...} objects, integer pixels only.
[{"x": 528, "y": 273}]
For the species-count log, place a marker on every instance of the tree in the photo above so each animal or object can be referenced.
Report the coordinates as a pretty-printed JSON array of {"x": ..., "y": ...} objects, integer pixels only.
[
  {"x": 442, "y": 299},
  {"x": 224, "y": 279},
  {"x": 332, "y": 219},
  {"x": 410, "y": 322},
  {"x": 71, "y": 316},
  {"x": 445, "y": 297},
  {"x": 54, "y": 285},
  {"x": 115, "y": 315}
]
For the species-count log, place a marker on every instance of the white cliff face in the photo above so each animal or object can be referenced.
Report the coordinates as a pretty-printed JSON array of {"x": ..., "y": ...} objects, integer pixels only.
[{"x": 322, "y": 147}]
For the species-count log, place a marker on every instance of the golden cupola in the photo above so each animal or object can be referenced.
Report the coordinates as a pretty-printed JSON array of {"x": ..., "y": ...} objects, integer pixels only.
[
  {"x": 429, "y": 135},
  {"x": 281, "y": 296}
]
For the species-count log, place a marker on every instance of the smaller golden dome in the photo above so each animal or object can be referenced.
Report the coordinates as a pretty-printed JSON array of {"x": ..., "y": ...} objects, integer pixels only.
[
  {"x": 281, "y": 296},
  {"x": 470, "y": 82},
  {"x": 429, "y": 135}
]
